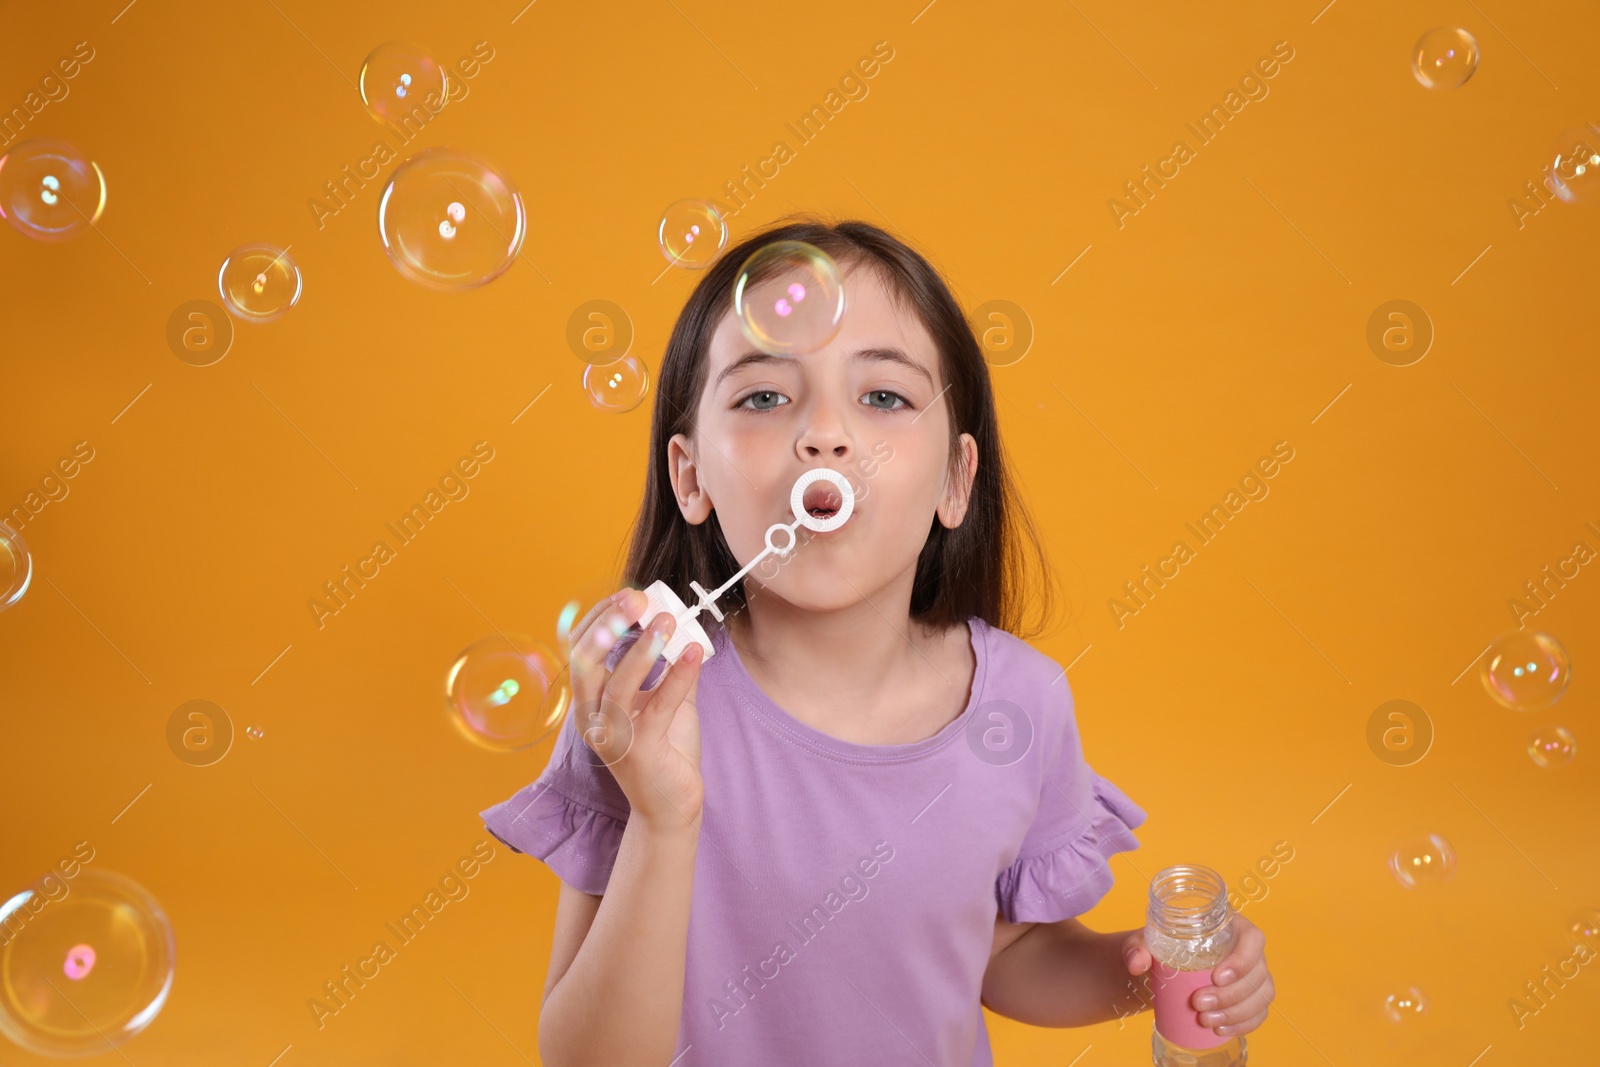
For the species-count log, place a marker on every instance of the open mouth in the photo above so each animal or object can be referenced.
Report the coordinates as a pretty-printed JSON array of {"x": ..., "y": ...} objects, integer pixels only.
[{"x": 822, "y": 500}]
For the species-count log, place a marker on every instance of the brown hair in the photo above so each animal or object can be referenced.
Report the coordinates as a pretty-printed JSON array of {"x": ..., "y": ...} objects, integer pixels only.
[{"x": 974, "y": 569}]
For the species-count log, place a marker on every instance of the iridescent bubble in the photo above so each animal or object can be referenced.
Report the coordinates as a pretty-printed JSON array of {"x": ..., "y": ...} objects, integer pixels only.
[
  {"x": 254, "y": 733},
  {"x": 16, "y": 566},
  {"x": 789, "y": 298},
  {"x": 1525, "y": 670},
  {"x": 86, "y": 964},
  {"x": 259, "y": 282},
  {"x": 1586, "y": 924},
  {"x": 1574, "y": 167},
  {"x": 564, "y": 621},
  {"x": 506, "y": 692},
  {"x": 451, "y": 221},
  {"x": 397, "y": 80},
  {"x": 80, "y": 961},
  {"x": 692, "y": 233},
  {"x": 1406, "y": 1004},
  {"x": 49, "y": 190},
  {"x": 617, "y": 387},
  {"x": 1424, "y": 861},
  {"x": 1444, "y": 58},
  {"x": 1552, "y": 746}
]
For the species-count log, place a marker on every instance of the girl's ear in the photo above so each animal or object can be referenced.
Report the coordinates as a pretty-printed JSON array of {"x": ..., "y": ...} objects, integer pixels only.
[
  {"x": 958, "y": 484},
  {"x": 683, "y": 466}
]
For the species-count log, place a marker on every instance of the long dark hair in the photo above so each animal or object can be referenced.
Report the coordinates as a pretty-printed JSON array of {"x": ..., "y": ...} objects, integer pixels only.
[{"x": 978, "y": 568}]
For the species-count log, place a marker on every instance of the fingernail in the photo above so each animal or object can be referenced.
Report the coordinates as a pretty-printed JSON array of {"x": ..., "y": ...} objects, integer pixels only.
[
  {"x": 1211, "y": 1018},
  {"x": 1223, "y": 977},
  {"x": 1205, "y": 1000},
  {"x": 1225, "y": 1029}
]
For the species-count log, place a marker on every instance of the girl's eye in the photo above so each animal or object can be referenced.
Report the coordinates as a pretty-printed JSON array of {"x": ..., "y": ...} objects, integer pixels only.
[
  {"x": 876, "y": 393},
  {"x": 761, "y": 395}
]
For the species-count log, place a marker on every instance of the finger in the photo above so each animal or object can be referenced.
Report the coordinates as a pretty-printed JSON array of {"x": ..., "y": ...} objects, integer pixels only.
[
  {"x": 1241, "y": 998},
  {"x": 669, "y": 694},
  {"x": 589, "y": 654},
  {"x": 622, "y": 598},
  {"x": 1252, "y": 1023},
  {"x": 623, "y": 685},
  {"x": 1135, "y": 954},
  {"x": 1248, "y": 946}
]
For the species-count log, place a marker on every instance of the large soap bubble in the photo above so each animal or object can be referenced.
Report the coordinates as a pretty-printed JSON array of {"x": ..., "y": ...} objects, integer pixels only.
[{"x": 449, "y": 220}]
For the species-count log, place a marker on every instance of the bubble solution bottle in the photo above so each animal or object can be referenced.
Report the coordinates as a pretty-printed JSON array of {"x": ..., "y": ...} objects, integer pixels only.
[{"x": 1189, "y": 930}]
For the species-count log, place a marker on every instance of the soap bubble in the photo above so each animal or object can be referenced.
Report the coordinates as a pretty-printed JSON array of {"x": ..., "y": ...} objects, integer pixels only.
[
  {"x": 692, "y": 233},
  {"x": 397, "y": 79},
  {"x": 1586, "y": 924},
  {"x": 506, "y": 692},
  {"x": 1406, "y": 1004},
  {"x": 1552, "y": 746},
  {"x": 89, "y": 965},
  {"x": 617, "y": 387},
  {"x": 1424, "y": 861},
  {"x": 1574, "y": 168},
  {"x": 789, "y": 298},
  {"x": 16, "y": 566},
  {"x": 49, "y": 190},
  {"x": 1525, "y": 670},
  {"x": 1444, "y": 58},
  {"x": 449, "y": 220},
  {"x": 254, "y": 733},
  {"x": 259, "y": 282}
]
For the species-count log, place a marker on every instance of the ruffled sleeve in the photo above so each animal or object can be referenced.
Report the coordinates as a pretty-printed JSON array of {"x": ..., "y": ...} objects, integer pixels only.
[
  {"x": 572, "y": 816},
  {"x": 1080, "y": 821},
  {"x": 1062, "y": 875}
]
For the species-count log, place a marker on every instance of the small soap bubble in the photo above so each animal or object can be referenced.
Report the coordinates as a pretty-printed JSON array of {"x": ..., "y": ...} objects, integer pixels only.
[
  {"x": 1444, "y": 58},
  {"x": 1585, "y": 924},
  {"x": 617, "y": 387},
  {"x": 16, "y": 566},
  {"x": 449, "y": 220},
  {"x": 1406, "y": 1004},
  {"x": 789, "y": 298},
  {"x": 1552, "y": 746},
  {"x": 397, "y": 80},
  {"x": 259, "y": 283},
  {"x": 85, "y": 968},
  {"x": 1574, "y": 167},
  {"x": 506, "y": 692},
  {"x": 692, "y": 233},
  {"x": 254, "y": 733},
  {"x": 1525, "y": 670},
  {"x": 1424, "y": 861},
  {"x": 50, "y": 190}
]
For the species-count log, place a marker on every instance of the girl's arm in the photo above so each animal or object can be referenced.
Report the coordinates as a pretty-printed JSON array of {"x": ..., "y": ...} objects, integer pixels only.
[
  {"x": 1065, "y": 974},
  {"x": 617, "y": 992},
  {"x": 1059, "y": 974}
]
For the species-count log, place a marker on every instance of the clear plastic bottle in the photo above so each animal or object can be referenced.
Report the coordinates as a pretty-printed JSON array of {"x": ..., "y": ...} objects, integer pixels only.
[{"x": 1189, "y": 930}]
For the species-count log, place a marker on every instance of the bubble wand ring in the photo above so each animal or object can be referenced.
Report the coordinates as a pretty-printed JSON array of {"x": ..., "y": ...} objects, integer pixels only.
[{"x": 659, "y": 597}]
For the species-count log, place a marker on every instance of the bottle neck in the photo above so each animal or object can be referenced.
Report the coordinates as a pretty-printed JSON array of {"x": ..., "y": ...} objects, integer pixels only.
[{"x": 1188, "y": 903}]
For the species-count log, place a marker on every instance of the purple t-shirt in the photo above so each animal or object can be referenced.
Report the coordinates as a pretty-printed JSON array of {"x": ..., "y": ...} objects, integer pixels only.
[{"x": 845, "y": 895}]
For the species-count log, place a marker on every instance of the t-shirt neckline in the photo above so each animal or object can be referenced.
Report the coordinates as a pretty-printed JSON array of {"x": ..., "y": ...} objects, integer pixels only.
[{"x": 756, "y": 699}]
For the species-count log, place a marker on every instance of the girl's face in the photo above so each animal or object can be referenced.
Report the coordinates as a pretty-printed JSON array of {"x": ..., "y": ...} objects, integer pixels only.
[{"x": 869, "y": 406}]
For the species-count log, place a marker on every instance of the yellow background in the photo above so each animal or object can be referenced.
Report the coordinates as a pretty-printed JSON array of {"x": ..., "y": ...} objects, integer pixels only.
[{"x": 1221, "y": 319}]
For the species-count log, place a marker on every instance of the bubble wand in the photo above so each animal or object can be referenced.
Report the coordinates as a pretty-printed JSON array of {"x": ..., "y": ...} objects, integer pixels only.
[{"x": 659, "y": 597}]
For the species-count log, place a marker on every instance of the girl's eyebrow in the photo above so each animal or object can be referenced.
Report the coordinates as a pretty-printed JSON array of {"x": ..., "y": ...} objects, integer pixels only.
[{"x": 873, "y": 355}]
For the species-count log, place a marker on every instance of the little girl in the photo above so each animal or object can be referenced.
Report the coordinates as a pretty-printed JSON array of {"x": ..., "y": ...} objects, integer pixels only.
[{"x": 869, "y": 813}]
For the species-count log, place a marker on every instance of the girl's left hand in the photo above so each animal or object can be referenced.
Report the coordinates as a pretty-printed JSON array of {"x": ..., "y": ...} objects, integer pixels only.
[{"x": 1237, "y": 1002}]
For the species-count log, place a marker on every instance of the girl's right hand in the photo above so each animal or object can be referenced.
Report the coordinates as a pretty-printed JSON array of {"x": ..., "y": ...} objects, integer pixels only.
[{"x": 650, "y": 739}]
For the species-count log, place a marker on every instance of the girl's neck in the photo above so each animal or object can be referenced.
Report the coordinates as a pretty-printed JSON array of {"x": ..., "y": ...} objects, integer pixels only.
[{"x": 843, "y": 671}]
